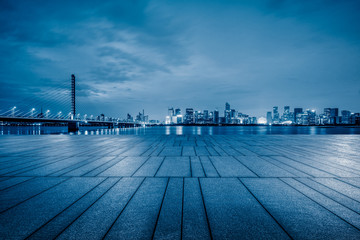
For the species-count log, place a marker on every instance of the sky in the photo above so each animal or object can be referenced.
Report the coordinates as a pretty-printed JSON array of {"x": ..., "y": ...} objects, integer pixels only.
[{"x": 134, "y": 55}]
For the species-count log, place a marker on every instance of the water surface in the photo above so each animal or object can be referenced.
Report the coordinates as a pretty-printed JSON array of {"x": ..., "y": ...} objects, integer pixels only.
[{"x": 185, "y": 130}]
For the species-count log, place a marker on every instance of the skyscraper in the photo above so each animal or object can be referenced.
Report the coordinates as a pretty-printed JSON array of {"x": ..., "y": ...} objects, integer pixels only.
[
  {"x": 206, "y": 115},
  {"x": 276, "y": 114},
  {"x": 189, "y": 116},
  {"x": 170, "y": 112},
  {"x": 227, "y": 113},
  {"x": 334, "y": 114},
  {"x": 216, "y": 117},
  {"x": 345, "y": 117},
  {"x": 297, "y": 111},
  {"x": 227, "y": 106},
  {"x": 269, "y": 118},
  {"x": 286, "y": 114}
]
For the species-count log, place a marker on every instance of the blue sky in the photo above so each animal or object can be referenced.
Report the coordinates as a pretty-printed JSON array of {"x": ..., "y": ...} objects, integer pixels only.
[{"x": 134, "y": 55}]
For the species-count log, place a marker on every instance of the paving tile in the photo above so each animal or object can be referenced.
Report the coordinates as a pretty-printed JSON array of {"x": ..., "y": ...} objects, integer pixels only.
[
  {"x": 171, "y": 151},
  {"x": 235, "y": 214},
  {"x": 150, "y": 167},
  {"x": 26, "y": 190},
  {"x": 25, "y": 218},
  {"x": 126, "y": 167},
  {"x": 195, "y": 224},
  {"x": 300, "y": 216},
  {"x": 263, "y": 168},
  {"x": 175, "y": 167},
  {"x": 180, "y": 186},
  {"x": 230, "y": 167},
  {"x": 170, "y": 219},
  {"x": 139, "y": 217},
  {"x": 208, "y": 167},
  {"x": 59, "y": 223},
  {"x": 97, "y": 220}
]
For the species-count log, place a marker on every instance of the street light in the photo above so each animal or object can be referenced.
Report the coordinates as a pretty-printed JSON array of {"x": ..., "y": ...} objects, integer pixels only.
[
  {"x": 32, "y": 112},
  {"x": 13, "y": 111},
  {"x": 59, "y": 114},
  {"x": 47, "y": 113}
]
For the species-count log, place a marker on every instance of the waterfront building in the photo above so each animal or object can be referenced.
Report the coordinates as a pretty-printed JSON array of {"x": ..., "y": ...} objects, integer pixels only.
[
  {"x": 227, "y": 113},
  {"x": 296, "y": 112},
  {"x": 189, "y": 116},
  {"x": 206, "y": 115},
  {"x": 269, "y": 118},
  {"x": 170, "y": 112},
  {"x": 345, "y": 117},
  {"x": 211, "y": 117},
  {"x": 286, "y": 114},
  {"x": 253, "y": 120},
  {"x": 216, "y": 117},
  {"x": 355, "y": 118},
  {"x": 276, "y": 114}
]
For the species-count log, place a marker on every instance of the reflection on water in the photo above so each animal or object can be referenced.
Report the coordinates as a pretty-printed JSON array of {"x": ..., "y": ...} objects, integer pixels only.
[{"x": 183, "y": 130}]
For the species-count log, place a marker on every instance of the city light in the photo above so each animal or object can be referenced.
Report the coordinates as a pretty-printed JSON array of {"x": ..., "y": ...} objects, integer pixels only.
[{"x": 298, "y": 116}]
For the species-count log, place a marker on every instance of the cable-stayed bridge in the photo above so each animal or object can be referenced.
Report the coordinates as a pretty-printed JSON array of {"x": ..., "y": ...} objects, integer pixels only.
[{"x": 59, "y": 98}]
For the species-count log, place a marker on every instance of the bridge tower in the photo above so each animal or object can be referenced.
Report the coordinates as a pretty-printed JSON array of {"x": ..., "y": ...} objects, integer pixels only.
[
  {"x": 73, "y": 126},
  {"x": 73, "y": 109}
]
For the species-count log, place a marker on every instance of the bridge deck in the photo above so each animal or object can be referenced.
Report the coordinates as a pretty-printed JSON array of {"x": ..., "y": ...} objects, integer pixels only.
[{"x": 172, "y": 187}]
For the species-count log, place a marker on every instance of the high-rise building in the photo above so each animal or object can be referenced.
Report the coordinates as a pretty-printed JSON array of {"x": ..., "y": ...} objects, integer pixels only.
[
  {"x": 170, "y": 112},
  {"x": 276, "y": 114},
  {"x": 206, "y": 115},
  {"x": 327, "y": 116},
  {"x": 227, "y": 106},
  {"x": 269, "y": 118},
  {"x": 334, "y": 115},
  {"x": 297, "y": 111},
  {"x": 227, "y": 113},
  {"x": 216, "y": 117},
  {"x": 334, "y": 112},
  {"x": 177, "y": 111},
  {"x": 286, "y": 115},
  {"x": 345, "y": 117},
  {"x": 311, "y": 117},
  {"x": 189, "y": 116},
  {"x": 211, "y": 117}
]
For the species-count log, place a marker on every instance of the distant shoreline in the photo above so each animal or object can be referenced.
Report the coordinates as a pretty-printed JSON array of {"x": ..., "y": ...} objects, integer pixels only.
[{"x": 259, "y": 125}]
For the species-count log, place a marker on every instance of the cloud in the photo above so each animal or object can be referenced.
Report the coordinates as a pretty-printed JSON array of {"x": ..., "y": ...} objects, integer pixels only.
[{"x": 130, "y": 55}]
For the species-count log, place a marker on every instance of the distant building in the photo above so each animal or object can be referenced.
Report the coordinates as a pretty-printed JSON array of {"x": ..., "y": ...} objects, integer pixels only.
[
  {"x": 227, "y": 106},
  {"x": 170, "y": 112},
  {"x": 216, "y": 117},
  {"x": 286, "y": 114},
  {"x": 227, "y": 115},
  {"x": 345, "y": 117},
  {"x": 253, "y": 120},
  {"x": 311, "y": 117},
  {"x": 297, "y": 111},
  {"x": 189, "y": 116},
  {"x": 269, "y": 118},
  {"x": 206, "y": 115},
  {"x": 276, "y": 114},
  {"x": 129, "y": 118}
]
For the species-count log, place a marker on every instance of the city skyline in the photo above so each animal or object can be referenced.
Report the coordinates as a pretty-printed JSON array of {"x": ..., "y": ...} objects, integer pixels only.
[
  {"x": 299, "y": 116},
  {"x": 149, "y": 55}
]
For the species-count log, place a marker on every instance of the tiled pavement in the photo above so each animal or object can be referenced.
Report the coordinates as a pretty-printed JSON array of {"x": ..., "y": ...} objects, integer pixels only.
[{"x": 172, "y": 187}]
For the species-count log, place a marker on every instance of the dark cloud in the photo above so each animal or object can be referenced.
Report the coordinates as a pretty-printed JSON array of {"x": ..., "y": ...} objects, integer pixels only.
[{"x": 130, "y": 55}]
